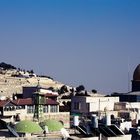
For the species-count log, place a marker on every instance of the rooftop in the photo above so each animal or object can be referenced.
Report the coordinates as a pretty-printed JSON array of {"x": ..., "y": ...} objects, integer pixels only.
[{"x": 27, "y": 101}]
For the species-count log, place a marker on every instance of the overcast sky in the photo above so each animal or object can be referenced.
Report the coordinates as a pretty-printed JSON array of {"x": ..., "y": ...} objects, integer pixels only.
[{"x": 95, "y": 43}]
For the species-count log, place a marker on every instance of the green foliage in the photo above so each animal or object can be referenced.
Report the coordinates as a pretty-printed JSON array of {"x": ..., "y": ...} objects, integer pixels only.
[
  {"x": 6, "y": 66},
  {"x": 63, "y": 89},
  {"x": 80, "y": 88},
  {"x": 94, "y": 91}
]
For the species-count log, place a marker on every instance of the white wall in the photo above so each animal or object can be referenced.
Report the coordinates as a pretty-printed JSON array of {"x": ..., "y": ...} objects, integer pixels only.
[
  {"x": 101, "y": 103},
  {"x": 95, "y": 103},
  {"x": 133, "y": 105},
  {"x": 127, "y": 106},
  {"x": 124, "y": 137}
]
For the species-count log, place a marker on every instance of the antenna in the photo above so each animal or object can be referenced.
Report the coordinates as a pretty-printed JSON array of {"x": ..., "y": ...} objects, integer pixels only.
[
  {"x": 128, "y": 67},
  {"x": 38, "y": 84}
]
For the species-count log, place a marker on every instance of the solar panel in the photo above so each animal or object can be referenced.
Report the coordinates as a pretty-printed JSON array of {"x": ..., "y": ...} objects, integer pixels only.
[
  {"x": 106, "y": 131},
  {"x": 84, "y": 130},
  {"x": 116, "y": 130},
  {"x": 95, "y": 131},
  {"x": 110, "y": 131}
]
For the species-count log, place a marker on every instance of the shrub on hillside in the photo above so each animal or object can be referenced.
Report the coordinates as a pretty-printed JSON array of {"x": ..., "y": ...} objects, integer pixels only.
[{"x": 6, "y": 66}]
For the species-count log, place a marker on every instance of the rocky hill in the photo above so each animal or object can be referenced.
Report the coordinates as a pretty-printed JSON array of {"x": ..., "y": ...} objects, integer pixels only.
[{"x": 12, "y": 80}]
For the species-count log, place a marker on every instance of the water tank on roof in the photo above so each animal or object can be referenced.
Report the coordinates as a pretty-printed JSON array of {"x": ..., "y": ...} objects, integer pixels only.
[
  {"x": 94, "y": 121},
  {"x": 137, "y": 118},
  {"x": 108, "y": 119},
  {"x": 76, "y": 120}
]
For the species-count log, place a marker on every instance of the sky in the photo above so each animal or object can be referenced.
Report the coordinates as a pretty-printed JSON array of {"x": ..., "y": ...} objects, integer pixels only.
[{"x": 95, "y": 43}]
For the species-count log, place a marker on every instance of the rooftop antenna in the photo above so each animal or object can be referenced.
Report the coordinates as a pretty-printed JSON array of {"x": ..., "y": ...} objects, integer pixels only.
[
  {"x": 38, "y": 84},
  {"x": 128, "y": 67}
]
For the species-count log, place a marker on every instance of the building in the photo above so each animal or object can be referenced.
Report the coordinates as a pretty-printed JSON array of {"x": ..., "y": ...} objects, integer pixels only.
[
  {"x": 29, "y": 91},
  {"x": 25, "y": 108},
  {"x": 40, "y": 106},
  {"x": 128, "y": 111},
  {"x": 134, "y": 95},
  {"x": 92, "y": 104},
  {"x": 129, "y": 105}
]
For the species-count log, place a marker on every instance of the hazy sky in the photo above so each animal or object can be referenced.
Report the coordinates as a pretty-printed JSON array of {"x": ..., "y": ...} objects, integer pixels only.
[{"x": 90, "y": 42}]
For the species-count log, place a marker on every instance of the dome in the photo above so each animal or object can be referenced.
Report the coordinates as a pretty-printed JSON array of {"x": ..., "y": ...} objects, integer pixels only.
[
  {"x": 52, "y": 125},
  {"x": 136, "y": 75},
  {"x": 28, "y": 127}
]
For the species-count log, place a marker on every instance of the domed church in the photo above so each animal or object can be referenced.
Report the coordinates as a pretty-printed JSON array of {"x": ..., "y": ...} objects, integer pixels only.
[
  {"x": 134, "y": 95},
  {"x": 136, "y": 79}
]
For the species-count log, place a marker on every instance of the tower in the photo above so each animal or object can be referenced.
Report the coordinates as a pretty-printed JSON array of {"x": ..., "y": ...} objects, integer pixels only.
[
  {"x": 136, "y": 79},
  {"x": 39, "y": 101}
]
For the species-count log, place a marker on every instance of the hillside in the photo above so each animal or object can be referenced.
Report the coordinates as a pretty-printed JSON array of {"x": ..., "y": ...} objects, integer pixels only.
[
  {"x": 12, "y": 80},
  {"x": 10, "y": 85}
]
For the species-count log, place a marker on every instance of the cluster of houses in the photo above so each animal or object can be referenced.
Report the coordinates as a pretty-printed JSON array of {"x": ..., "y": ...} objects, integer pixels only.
[
  {"x": 24, "y": 106},
  {"x": 120, "y": 105},
  {"x": 42, "y": 103}
]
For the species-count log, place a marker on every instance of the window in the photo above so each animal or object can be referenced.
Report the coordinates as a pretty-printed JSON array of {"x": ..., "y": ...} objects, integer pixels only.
[
  {"x": 53, "y": 108},
  {"x": 77, "y": 105},
  {"x": 20, "y": 107},
  {"x": 6, "y": 109},
  {"x": 30, "y": 109},
  {"x": 9, "y": 108},
  {"x": 23, "y": 107},
  {"x": 45, "y": 109},
  {"x": 88, "y": 106}
]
